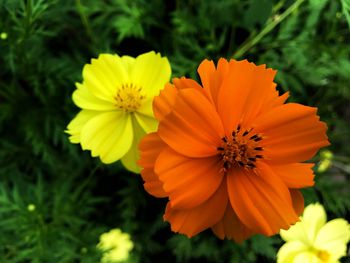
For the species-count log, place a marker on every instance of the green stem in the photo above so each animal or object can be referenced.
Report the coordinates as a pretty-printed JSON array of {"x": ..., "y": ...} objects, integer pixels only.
[{"x": 253, "y": 40}]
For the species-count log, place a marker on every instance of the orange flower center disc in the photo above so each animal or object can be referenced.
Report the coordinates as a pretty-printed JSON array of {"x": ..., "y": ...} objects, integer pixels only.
[
  {"x": 129, "y": 97},
  {"x": 241, "y": 149}
]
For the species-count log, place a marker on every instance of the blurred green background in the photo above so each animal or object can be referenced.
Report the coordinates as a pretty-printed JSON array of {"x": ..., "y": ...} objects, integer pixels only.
[{"x": 44, "y": 45}]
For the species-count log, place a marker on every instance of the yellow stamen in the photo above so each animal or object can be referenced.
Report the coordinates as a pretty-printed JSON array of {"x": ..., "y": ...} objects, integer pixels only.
[
  {"x": 129, "y": 97},
  {"x": 323, "y": 255}
]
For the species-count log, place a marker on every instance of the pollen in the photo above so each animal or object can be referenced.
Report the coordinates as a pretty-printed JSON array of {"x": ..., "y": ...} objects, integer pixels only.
[
  {"x": 129, "y": 97},
  {"x": 323, "y": 255},
  {"x": 240, "y": 149}
]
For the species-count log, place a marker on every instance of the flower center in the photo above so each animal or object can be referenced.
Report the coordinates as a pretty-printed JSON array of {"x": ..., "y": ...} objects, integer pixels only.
[
  {"x": 129, "y": 97},
  {"x": 323, "y": 255},
  {"x": 241, "y": 149}
]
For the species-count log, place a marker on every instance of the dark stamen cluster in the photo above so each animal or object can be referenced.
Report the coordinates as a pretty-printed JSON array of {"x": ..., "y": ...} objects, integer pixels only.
[{"x": 240, "y": 150}]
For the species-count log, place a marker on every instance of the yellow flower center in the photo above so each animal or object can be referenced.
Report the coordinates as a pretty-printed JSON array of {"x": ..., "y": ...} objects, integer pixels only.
[
  {"x": 129, "y": 97},
  {"x": 241, "y": 149},
  {"x": 323, "y": 255}
]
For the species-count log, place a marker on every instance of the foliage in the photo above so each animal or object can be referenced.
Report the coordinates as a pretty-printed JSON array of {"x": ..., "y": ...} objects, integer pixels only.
[{"x": 76, "y": 198}]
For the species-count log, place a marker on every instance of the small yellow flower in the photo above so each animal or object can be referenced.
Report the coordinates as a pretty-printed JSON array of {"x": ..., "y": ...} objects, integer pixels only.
[
  {"x": 31, "y": 207},
  {"x": 115, "y": 246},
  {"x": 116, "y": 98},
  {"x": 3, "y": 35},
  {"x": 326, "y": 161},
  {"x": 314, "y": 240}
]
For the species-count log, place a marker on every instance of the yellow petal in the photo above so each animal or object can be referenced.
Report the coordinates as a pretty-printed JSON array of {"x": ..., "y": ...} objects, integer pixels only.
[
  {"x": 130, "y": 158},
  {"x": 128, "y": 63},
  {"x": 333, "y": 237},
  {"x": 149, "y": 124},
  {"x": 104, "y": 75},
  {"x": 151, "y": 72},
  {"x": 76, "y": 125},
  {"x": 296, "y": 232},
  {"x": 289, "y": 251},
  {"x": 109, "y": 135},
  {"x": 307, "y": 257},
  {"x": 84, "y": 99},
  {"x": 314, "y": 217},
  {"x": 146, "y": 107}
]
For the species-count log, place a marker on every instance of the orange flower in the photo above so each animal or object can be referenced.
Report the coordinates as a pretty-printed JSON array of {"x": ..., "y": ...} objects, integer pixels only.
[{"x": 229, "y": 155}]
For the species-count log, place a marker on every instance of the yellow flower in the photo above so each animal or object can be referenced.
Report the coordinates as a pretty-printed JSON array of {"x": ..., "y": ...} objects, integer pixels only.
[
  {"x": 115, "y": 246},
  {"x": 31, "y": 207},
  {"x": 326, "y": 161},
  {"x": 314, "y": 240},
  {"x": 3, "y": 35},
  {"x": 116, "y": 101}
]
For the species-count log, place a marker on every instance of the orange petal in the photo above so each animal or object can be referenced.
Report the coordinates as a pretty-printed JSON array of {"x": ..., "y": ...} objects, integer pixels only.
[
  {"x": 150, "y": 147},
  {"x": 231, "y": 227},
  {"x": 193, "y": 128},
  {"x": 212, "y": 78},
  {"x": 296, "y": 175},
  {"x": 162, "y": 104},
  {"x": 193, "y": 221},
  {"x": 298, "y": 201},
  {"x": 152, "y": 184},
  {"x": 247, "y": 90},
  {"x": 279, "y": 100},
  {"x": 261, "y": 200},
  {"x": 185, "y": 83},
  {"x": 188, "y": 181},
  {"x": 292, "y": 133}
]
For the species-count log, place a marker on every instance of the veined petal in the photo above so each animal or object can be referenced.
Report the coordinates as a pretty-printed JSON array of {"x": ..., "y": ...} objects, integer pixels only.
[
  {"x": 261, "y": 200},
  {"x": 296, "y": 175},
  {"x": 231, "y": 227},
  {"x": 195, "y": 220},
  {"x": 150, "y": 147},
  {"x": 212, "y": 78},
  {"x": 207, "y": 72},
  {"x": 298, "y": 201},
  {"x": 296, "y": 232},
  {"x": 193, "y": 128},
  {"x": 188, "y": 181},
  {"x": 129, "y": 160},
  {"x": 151, "y": 72},
  {"x": 84, "y": 99},
  {"x": 333, "y": 237},
  {"x": 307, "y": 256},
  {"x": 146, "y": 108},
  {"x": 148, "y": 124},
  {"x": 290, "y": 250},
  {"x": 313, "y": 219},
  {"x": 104, "y": 75},
  {"x": 234, "y": 91},
  {"x": 185, "y": 83},
  {"x": 76, "y": 125},
  {"x": 163, "y": 104},
  {"x": 109, "y": 135},
  {"x": 128, "y": 63},
  {"x": 292, "y": 133},
  {"x": 248, "y": 87}
]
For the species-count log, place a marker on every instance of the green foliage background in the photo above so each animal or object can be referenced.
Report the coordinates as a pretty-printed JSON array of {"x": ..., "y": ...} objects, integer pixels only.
[{"x": 76, "y": 197}]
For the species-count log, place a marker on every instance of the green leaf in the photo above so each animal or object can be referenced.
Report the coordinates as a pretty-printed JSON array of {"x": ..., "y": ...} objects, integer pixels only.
[{"x": 346, "y": 10}]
